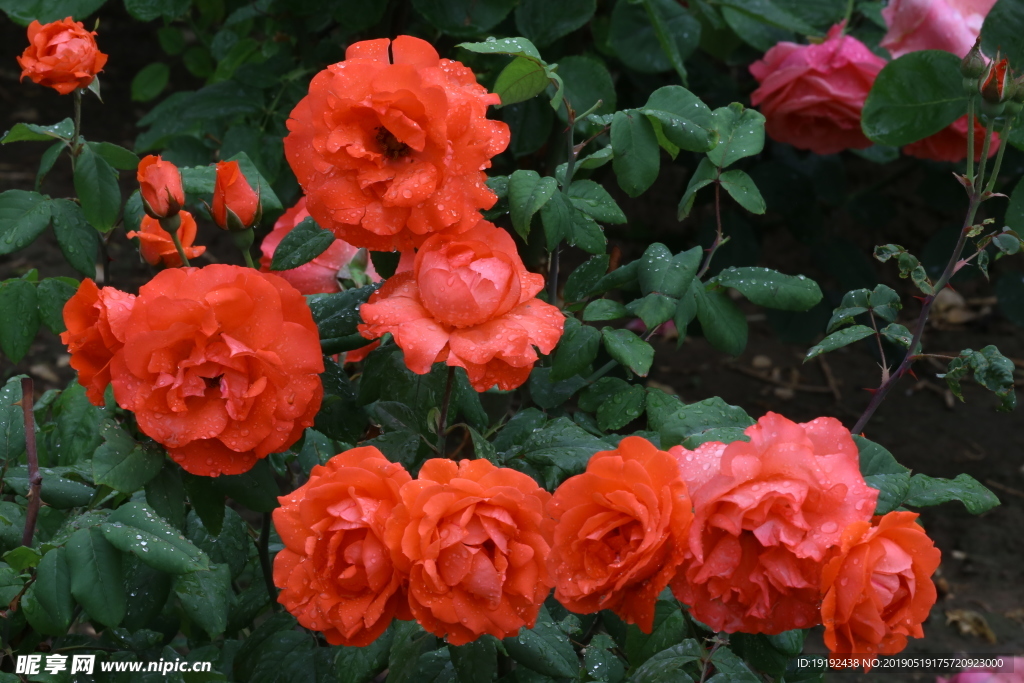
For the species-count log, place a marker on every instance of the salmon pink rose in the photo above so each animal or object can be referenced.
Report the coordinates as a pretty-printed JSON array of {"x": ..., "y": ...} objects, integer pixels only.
[
  {"x": 621, "y": 531},
  {"x": 391, "y": 144},
  {"x": 61, "y": 55},
  {"x": 469, "y": 302},
  {"x": 160, "y": 187},
  {"x": 766, "y": 513},
  {"x": 95, "y": 320},
  {"x": 950, "y": 25},
  {"x": 221, "y": 365},
  {"x": 878, "y": 587},
  {"x": 950, "y": 143},
  {"x": 319, "y": 276},
  {"x": 474, "y": 541},
  {"x": 812, "y": 95},
  {"x": 335, "y": 573},
  {"x": 156, "y": 244}
]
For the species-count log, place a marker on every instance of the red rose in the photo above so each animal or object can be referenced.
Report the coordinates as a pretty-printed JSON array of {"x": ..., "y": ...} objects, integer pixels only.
[
  {"x": 335, "y": 573},
  {"x": 474, "y": 541},
  {"x": 160, "y": 186},
  {"x": 950, "y": 25},
  {"x": 878, "y": 588},
  {"x": 468, "y": 301},
  {"x": 391, "y": 144},
  {"x": 61, "y": 55},
  {"x": 812, "y": 95},
  {"x": 319, "y": 276},
  {"x": 621, "y": 532},
  {"x": 950, "y": 143},
  {"x": 765, "y": 514},
  {"x": 221, "y": 365},
  {"x": 95, "y": 320},
  {"x": 156, "y": 244},
  {"x": 236, "y": 206}
]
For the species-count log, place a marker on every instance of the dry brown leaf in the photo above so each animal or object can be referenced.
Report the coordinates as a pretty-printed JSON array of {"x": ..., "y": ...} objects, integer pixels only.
[{"x": 970, "y": 623}]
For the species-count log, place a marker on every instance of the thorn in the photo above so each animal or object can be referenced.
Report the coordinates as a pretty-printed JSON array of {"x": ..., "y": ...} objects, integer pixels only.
[
  {"x": 950, "y": 285},
  {"x": 922, "y": 299},
  {"x": 870, "y": 391},
  {"x": 910, "y": 371}
]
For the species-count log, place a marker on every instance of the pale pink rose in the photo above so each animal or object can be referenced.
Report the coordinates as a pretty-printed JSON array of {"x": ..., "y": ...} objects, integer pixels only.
[
  {"x": 319, "y": 276},
  {"x": 812, "y": 95},
  {"x": 950, "y": 25},
  {"x": 1011, "y": 672}
]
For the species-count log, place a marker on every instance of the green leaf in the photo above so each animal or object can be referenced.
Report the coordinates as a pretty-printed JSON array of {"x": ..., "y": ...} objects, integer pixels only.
[
  {"x": 123, "y": 464},
  {"x": 563, "y": 221},
  {"x": 337, "y": 318},
  {"x": 1002, "y": 32},
  {"x": 635, "y": 145},
  {"x": 594, "y": 200},
  {"x": 544, "y": 22},
  {"x": 165, "y": 493},
  {"x": 506, "y": 46},
  {"x": 161, "y": 546},
  {"x": 913, "y": 97},
  {"x": 635, "y": 39},
  {"x": 300, "y": 246},
  {"x": 409, "y": 643},
  {"x": 559, "y": 449},
  {"x": 576, "y": 350},
  {"x": 23, "y": 215},
  {"x": 600, "y": 663},
  {"x": 362, "y": 664},
  {"x": 622, "y": 408},
  {"x": 741, "y": 187},
  {"x": 668, "y": 629},
  {"x": 926, "y": 491},
  {"x": 661, "y": 272},
  {"x": 96, "y": 579},
  {"x": 22, "y": 558},
  {"x": 740, "y": 134},
  {"x": 521, "y": 80},
  {"x": 629, "y": 350},
  {"x": 767, "y": 12},
  {"x": 838, "y": 340},
  {"x": 205, "y": 597},
  {"x": 732, "y": 668},
  {"x": 705, "y": 174},
  {"x": 256, "y": 489},
  {"x": 881, "y": 471},
  {"x": 230, "y": 547},
  {"x": 548, "y": 393},
  {"x": 78, "y": 422},
  {"x": 587, "y": 80},
  {"x": 723, "y": 324},
  {"x": 991, "y": 369},
  {"x": 117, "y": 156},
  {"x": 30, "y": 132},
  {"x": 667, "y": 665},
  {"x": 464, "y": 17},
  {"x": 771, "y": 289},
  {"x": 582, "y": 281},
  {"x": 47, "y": 161},
  {"x": 19, "y": 318},
  {"x": 604, "y": 309},
  {"x": 897, "y": 334},
  {"x": 528, "y": 192},
  {"x": 1010, "y": 295},
  {"x": 57, "y": 491},
  {"x": 475, "y": 661},
  {"x": 97, "y": 189},
  {"x": 653, "y": 309},
  {"x": 544, "y": 649},
  {"x": 12, "y": 421},
  {"x": 676, "y": 422},
  {"x": 79, "y": 241},
  {"x": 148, "y": 10}
]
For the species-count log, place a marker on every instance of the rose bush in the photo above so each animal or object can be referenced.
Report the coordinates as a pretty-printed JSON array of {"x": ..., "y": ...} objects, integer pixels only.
[{"x": 427, "y": 435}]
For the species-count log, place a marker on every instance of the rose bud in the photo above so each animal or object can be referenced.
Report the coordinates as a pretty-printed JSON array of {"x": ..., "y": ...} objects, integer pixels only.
[
  {"x": 160, "y": 187},
  {"x": 236, "y": 206}
]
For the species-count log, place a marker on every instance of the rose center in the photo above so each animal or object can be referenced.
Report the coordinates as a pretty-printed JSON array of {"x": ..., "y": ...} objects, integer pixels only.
[{"x": 390, "y": 146}]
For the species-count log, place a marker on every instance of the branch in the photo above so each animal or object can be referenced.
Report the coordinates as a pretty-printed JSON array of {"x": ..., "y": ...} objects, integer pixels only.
[{"x": 35, "y": 479}]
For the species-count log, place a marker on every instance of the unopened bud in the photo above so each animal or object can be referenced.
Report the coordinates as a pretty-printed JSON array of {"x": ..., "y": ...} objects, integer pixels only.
[
  {"x": 974, "y": 64},
  {"x": 997, "y": 79}
]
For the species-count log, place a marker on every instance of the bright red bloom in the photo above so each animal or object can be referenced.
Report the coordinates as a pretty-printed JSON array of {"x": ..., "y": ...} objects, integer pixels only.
[
  {"x": 319, "y": 276},
  {"x": 61, "y": 55},
  {"x": 878, "y": 588},
  {"x": 95, "y": 320},
  {"x": 156, "y": 244},
  {"x": 812, "y": 95},
  {"x": 335, "y": 573},
  {"x": 766, "y": 512},
  {"x": 469, "y": 302},
  {"x": 160, "y": 186},
  {"x": 232, "y": 193},
  {"x": 221, "y": 365},
  {"x": 391, "y": 144},
  {"x": 474, "y": 541},
  {"x": 621, "y": 532},
  {"x": 950, "y": 143}
]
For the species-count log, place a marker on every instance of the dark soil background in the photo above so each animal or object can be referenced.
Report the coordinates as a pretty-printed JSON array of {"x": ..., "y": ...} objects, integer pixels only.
[{"x": 981, "y": 580}]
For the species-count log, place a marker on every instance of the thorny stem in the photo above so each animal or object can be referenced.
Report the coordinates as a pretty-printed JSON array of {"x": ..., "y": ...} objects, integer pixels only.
[
  {"x": 75, "y": 146},
  {"x": 35, "y": 479},
  {"x": 442, "y": 431},
  {"x": 970, "y": 141},
  {"x": 707, "y": 662},
  {"x": 719, "y": 241},
  {"x": 979, "y": 182},
  {"x": 264, "y": 553},
  {"x": 878, "y": 337}
]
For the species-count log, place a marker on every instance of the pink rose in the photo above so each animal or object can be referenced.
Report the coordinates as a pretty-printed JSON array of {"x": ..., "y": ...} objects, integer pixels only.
[
  {"x": 812, "y": 95},
  {"x": 319, "y": 276},
  {"x": 950, "y": 143},
  {"x": 1012, "y": 672},
  {"x": 950, "y": 25}
]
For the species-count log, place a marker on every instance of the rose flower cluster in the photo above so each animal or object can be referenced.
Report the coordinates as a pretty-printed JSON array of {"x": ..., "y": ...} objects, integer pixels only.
[{"x": 759, "y": 536}]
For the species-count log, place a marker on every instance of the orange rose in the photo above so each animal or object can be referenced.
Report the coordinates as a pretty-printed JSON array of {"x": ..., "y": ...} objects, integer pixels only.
[
  {"x": 61, "y": 55},
  {"x": 621, "y": 532},
  {"x": 335, "y": 573},
  {"x": 221, "y": 365},
  {"x": 319, "y": 276},
  {"x": 474, "y": 540},
  {"x": 160, "y": 186},
  {"x": 468, "y": 301},
  {"x": 156, "y": 245},
  {"x": 765, "y": 514},
  {"x": 878, "y": 589},
  {"x": 95, "y": 320},
  {"x": 236, "y": 206},
  {"x": 391, "y": 144}
]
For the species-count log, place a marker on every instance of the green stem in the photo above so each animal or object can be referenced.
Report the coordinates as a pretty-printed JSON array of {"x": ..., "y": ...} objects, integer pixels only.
[
  {"x": 719, "y": 241},
  {"x": 1004, "y": 137},
  {"x": 264, "y": 553},
  {"x": 970, "y": 140},
  {"x": 243, "y": 240},
  {"x": 442, "y": 432},
  {"x": 570, "y": 168},
  {"x": 181, "y": 249},
  {"x": 848, "y": 15},
  {"x": 979, "y": 182},
  {"x": 75, "y": 146}
]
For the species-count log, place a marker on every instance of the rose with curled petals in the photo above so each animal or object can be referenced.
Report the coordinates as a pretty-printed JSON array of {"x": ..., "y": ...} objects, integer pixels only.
[
  {"x": 61, "y": 55},
  {"x": 474, "y": 540},
  {"x": 95, "y": 319},
  {"x": 469, "y": 302},
  {"x": 335, "y": 573},
  {"x": 766, "y": 513}
]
